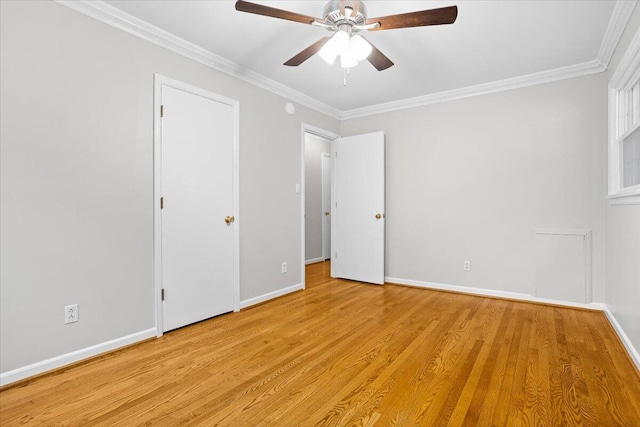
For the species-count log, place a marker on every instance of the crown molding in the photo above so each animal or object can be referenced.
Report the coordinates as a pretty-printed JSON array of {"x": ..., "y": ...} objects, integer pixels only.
[
  {"x": 617, "y": 24},
  {"x": 625, "y": 73},
  {"x": 586, "y": 68},
  {"x": 116, "y": 18}
]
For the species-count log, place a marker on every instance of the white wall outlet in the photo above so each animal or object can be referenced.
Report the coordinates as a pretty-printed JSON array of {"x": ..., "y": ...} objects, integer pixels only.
[
  {"x": 467, "y": 266},
  {"x": 284, "y": 268},
  {"x": 70, "y": 313}
]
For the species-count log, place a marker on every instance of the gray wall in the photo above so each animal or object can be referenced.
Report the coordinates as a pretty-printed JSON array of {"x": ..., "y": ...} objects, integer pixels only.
[
  {"x": 469, "y": 179},
  {"x": 623, "y": 236},
  {"x": 77, "y": 180},
  {"x": 313, "y": 148}
]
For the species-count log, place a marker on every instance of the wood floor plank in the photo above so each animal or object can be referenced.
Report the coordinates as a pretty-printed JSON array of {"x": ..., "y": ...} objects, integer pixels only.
[{"x": 343, "y": 353}]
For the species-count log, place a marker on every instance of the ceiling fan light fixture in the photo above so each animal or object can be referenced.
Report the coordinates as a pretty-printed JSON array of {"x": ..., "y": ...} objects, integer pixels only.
[
  {"x": 347, "y": 60},
  {"x": 359, "y": 48},
  {"x": 329, "y": 52},
  {"x": 341, "y": 41}
]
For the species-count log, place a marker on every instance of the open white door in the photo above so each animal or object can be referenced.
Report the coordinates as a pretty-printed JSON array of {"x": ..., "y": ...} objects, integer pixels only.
[
  {"x": 358, "y": 208},
  {"x": 197, "y": 228},
  {"x": 326, "y": 206}
]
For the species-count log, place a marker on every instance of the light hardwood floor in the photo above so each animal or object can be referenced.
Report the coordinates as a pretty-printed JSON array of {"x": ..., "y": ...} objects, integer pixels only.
[{"x": 346, "y": 353}]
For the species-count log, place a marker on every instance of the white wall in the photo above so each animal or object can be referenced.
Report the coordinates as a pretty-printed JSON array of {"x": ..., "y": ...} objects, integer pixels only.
[
  {"x": 314, "y": 146},
  {"x": 623, "y": 269},
  {"x": 623, "y": 236},
  {"x": 77, "y": 180},
  {"x": 470, "y": 179}
]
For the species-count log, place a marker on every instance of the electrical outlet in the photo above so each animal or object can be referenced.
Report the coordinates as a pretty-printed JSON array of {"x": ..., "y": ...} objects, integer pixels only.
[
  {"x": 70, "y": 313},
  {"x": 284, "y": 268},
  {"x": 467, "y": 266}
]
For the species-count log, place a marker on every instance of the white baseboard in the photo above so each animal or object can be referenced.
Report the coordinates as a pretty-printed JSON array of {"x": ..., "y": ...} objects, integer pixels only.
[
  {"x": 75, "y": 356},
  {"x": 623, "y": 337},
  {"x": 493, "y": 293},
  {"x": 313, "y": 261},
  {"x": 271, "y": 295}
]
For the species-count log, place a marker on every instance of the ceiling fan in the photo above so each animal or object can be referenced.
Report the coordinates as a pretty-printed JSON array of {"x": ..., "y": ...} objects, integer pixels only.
[{"x": 346, "y": 18}]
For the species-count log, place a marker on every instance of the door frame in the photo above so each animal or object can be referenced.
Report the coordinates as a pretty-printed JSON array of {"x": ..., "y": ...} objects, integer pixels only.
[
  {"x": 323, "y": 157},
  {"x": 158, "y": 81},
  {"x": 323, "y": 133}
]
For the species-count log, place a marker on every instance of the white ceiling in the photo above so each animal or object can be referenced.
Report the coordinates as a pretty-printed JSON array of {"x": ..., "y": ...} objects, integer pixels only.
[{"x": 489, "y": 42}]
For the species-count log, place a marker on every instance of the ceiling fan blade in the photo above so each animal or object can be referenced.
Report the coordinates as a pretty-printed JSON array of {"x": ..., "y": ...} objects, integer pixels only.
[
  {"x": 443, "y": 15},
  {"x": 307, "y": 53},
  {"x": 378, "y": 59},
  {"x": 259, "y": 9},
  {"x": 354, "y": 5}
]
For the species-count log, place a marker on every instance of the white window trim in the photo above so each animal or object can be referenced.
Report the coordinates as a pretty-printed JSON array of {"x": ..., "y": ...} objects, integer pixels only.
[{"x": 626, "y": 76}]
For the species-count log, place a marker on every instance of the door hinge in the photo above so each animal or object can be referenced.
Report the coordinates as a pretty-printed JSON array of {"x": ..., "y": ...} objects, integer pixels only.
[
  {"x": 162, "y": 294},
  {"x": 161, "y": 202},
  {"x": 162, "y": 111}
]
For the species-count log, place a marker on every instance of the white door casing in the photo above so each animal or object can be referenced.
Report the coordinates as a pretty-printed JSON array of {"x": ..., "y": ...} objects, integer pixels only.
[
  {"x": 358, "y": 208},
  {"x": 196, "y": 250},
  {"x": 326, "y": 205}
]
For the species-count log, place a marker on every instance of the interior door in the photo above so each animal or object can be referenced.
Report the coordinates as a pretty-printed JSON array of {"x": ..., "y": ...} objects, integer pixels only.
[
  {"x": 197, "y": 194},
  {"x": 358, "y": 203},
  {"x": 326, "y": 206}
]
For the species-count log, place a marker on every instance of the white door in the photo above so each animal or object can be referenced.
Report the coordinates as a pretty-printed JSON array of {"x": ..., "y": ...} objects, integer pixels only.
[
  {"x": 358, "y": 208},
  {"x": 326, "y": 206},
  {"x": 197, "y": 245}
]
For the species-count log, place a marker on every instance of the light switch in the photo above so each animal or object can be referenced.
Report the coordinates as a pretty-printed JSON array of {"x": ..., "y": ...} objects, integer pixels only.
[{"x": 297, "y": 188}]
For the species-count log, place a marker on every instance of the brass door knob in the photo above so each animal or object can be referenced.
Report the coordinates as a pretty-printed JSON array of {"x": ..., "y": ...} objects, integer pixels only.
[
  {"x": 229, "y": 219},
  {"x": 326, "y": 213},
  {"x": 378, "y": 216}
]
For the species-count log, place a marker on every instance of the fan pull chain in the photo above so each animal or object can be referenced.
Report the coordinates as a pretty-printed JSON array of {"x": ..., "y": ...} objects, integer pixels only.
[{"x": 347, "y": 72}]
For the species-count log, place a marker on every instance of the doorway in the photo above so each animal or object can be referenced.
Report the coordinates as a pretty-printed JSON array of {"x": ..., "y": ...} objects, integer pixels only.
[
  {"x": 196, "y": 204},
  {"x": 317, "y": 212},
  {"x": 315, "y": 146}
]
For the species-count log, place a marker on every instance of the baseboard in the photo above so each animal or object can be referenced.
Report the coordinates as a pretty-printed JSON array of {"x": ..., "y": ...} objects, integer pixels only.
[
  {"x": 633, "y": 353},
  {"x": 271, "y": 295},
  {"x": 494, "y": 293},
  {"x": 75, "y": 356},
  {"x": 313, "y": 261}
]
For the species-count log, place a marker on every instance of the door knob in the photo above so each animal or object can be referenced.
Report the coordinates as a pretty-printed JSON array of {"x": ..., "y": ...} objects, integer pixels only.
[
  {"x": 378, "y": 216},
  {"x": 326, "y": 213},
  {"x": 229, "y": 219}
]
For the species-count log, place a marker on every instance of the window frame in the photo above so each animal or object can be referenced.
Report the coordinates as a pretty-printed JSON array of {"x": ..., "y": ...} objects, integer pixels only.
[{"x": 624, "y": 119}]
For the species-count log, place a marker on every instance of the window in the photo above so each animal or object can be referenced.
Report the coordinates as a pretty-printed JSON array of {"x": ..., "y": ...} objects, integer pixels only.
[
  {"x": 631, "y": 159},
  {"x": 624, "y": 128}
]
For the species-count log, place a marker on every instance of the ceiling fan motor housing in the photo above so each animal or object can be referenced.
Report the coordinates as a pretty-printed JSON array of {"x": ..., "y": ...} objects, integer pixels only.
[{"x": 333, "y": 16}]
